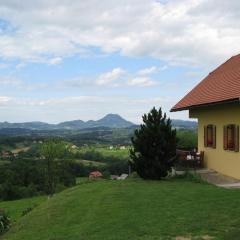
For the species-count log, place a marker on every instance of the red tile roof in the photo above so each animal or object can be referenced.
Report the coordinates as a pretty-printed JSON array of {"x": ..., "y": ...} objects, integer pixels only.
[{"x": 221, "y": 85}]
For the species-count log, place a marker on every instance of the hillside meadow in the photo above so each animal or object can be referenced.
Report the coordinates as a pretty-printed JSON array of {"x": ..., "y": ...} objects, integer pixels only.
[{"x": 131, "y": 209}]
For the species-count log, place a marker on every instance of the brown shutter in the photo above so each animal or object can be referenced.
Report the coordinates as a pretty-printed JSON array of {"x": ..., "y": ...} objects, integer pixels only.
[
  {"x": 214, "y": 136},
  {"x": 225, "y": 143},
  {"x": 205, "y": 136},
  {"x": 236, "y": 138}
]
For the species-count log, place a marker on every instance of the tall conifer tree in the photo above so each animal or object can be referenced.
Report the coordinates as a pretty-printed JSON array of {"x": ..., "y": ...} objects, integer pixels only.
[{"x": 154, "y": 146}]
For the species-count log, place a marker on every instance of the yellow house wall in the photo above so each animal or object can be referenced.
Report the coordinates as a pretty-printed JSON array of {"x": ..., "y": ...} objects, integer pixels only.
[{"x": 225, "y": 162}]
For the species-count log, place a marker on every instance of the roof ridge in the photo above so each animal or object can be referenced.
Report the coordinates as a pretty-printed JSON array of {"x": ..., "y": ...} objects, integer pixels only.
[
  {"x": 224, "y": 63},
  {"x": 220, "y": 85}
]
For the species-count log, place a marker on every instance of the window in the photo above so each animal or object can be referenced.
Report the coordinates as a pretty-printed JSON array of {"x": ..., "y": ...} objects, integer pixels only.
[
  {"x": 231, "y": 137},
  {"x": 210, "y": 136}
]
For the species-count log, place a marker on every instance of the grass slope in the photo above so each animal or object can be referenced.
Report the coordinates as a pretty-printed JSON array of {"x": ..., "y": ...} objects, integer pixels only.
[
  {"x": 133, "y": 209},
  {"x": 15, "y": 208}
]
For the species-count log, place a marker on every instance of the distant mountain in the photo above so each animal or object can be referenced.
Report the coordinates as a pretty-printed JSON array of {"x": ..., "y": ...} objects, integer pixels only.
[
  {"x": 109, "y": 121},
  {"x": 75, "y": 124},
  {"x": 184, "y": 124},
  {"x": 113, "y": 121},
  {"x": 27, "y": 125}
]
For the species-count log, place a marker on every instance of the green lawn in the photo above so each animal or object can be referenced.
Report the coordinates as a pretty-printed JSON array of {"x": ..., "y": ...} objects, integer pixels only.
[
  {"x": 134, "y": 210},
  {"x": 15, "y": 208}
]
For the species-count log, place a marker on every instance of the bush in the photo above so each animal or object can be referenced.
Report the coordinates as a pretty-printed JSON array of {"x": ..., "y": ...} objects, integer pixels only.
[
  {"x": 190, "y": 176},
  {"x": 134, "y": 175},
  {"x": 12, "y": 192},
  {"x": 106, "y": 174},
  {"x": 5, "y": 222}
]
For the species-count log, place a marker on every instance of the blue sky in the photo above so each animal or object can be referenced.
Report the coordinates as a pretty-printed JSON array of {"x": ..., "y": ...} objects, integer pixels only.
[{"x": 62, "y": 61}]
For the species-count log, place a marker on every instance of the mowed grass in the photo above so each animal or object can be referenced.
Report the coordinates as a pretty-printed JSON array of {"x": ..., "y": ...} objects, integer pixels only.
[
  {"x": 134, "y": 210},
  {"x": 15, "y": 208}
]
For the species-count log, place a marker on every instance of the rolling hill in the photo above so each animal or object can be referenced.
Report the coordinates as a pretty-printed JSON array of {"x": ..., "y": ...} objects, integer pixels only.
[{"x": 131, "y": 209}]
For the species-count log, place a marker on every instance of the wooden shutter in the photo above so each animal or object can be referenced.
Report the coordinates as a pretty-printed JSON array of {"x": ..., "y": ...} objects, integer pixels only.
[
  {"x": 236, "y": 138},
  {"x": 205, "y": 136},
  {"x": 225, "y": 140},
  {"x": 214, "y": 136}
]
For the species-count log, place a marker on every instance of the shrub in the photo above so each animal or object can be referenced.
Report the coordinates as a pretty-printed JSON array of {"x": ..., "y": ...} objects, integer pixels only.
[
  {"x": 134, "y": 175},
  {"x": 190, "y": 176},
  {"x": 106, "y": 174},
  {"x": 5, "y": 222}
]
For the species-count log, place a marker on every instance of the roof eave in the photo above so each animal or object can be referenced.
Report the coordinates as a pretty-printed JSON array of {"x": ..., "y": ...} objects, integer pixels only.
[{"x": 229, "y": 101}]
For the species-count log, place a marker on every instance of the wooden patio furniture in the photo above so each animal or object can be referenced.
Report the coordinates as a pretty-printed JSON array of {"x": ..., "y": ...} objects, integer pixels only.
[{"x": 190, "y": 159}]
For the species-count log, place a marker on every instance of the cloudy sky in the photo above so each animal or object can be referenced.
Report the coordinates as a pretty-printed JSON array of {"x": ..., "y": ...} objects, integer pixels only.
[{"x": 63, "y": 60}]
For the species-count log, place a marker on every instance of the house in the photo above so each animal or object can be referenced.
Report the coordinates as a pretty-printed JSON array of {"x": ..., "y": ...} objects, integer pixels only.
[
  {"x": 215, "y": 102},
  {"x": 95, "y": 175},
  {"x": 5, "y": 154},
  {"x": 123, "y": 176},
  {"x": 116, "y": 177}
]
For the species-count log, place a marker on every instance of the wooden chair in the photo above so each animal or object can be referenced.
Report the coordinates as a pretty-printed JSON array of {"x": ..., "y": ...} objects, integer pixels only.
[{"x": 190, "y": 159}]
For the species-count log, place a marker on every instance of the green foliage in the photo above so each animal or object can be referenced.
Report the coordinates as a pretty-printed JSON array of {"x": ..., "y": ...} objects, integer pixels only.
[
  {"x": 23, "y": 178},
  {"x": 5, "y": 222},
  {"x": 52, "y": 150},
  {"x": 106, "y": 174},
  {"x": 187, "y": 139},
  {"x": 134, "y": 175},
  {"x": 189, "y": 176},
  {"x": 116, "y": 161},
  {"x": 154, "y": 146}
]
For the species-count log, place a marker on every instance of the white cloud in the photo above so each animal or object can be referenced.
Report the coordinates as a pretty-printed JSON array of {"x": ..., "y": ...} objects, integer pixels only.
[
  {"x": 20, "y": 65},
  {"x": 148, "y": 71},
  {"x": 151, "y": 70},
  {"x": 4, "y": 99},
  {"x": 117, "y": 78},
  {"x": 55, "y": 61},
  {"x": 142, "y": 82},
  {"x": 9, "y": 81},
  {"x": 186, "y": 32},
  {"x": 85, "y": 107},
  {"x": 109, "y": 78}
]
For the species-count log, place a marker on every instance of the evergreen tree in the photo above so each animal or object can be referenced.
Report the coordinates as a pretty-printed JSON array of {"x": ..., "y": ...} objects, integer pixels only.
[{"x": 154, "y": 146}]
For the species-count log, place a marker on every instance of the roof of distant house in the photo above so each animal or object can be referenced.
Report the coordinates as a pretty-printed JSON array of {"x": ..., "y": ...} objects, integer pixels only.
[
  {"x": 96, "y": 174},
  {"x": 220, "y": 86}
]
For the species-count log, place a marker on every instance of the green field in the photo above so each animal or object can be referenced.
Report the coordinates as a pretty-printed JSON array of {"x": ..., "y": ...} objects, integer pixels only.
[
  {"x": 15, "y": 208},
  {"x": 90, "y": 163},
  {"x": 106, "y": 151},
  {"x": 131, "y": 209}
]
